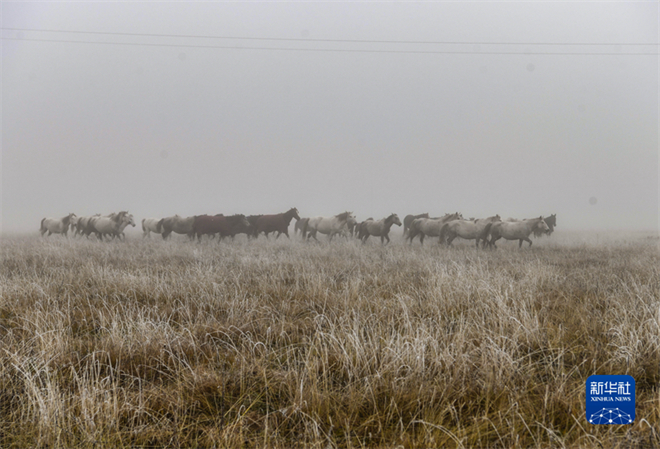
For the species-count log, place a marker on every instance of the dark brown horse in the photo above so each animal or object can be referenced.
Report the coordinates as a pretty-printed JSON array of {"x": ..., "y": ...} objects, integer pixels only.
[
  {"x": 276, "y": 223},
  {"x": 219, "y": 224},
  {"x": 249, "y": 229}
]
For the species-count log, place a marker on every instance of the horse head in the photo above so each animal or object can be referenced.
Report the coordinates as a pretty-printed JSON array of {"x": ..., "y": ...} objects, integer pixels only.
[
  {"x": 293, "y": 212},
  {"x": 541, "y": 225},
  {"x": 394, "y": 219},
  {"x": 127, "y": 219}
]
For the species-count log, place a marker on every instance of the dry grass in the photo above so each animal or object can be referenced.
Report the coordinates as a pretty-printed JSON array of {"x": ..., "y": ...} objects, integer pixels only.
[{"x": 285, "y": 344}]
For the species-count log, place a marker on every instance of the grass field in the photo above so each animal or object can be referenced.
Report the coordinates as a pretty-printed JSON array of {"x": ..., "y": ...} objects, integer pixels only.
[{"x": 286, "y": 344}]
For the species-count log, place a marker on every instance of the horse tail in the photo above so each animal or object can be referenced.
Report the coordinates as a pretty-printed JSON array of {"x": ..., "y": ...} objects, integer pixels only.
[
  {"x": 485, "y": 232},
  {"x": 143, "y": 230},
  {"x": 413, "y": 230},
  {"x": 443, "y": 231},
  {"x": 42, "y": 223},
  {"x": 305, "y": 225},
  {"x": 159, "y": 225}
]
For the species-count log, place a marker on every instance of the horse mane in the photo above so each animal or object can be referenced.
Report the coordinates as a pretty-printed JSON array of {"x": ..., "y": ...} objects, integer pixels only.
[
  {"x": 343, "y": 216},
  {"x": 290, "y": 213}
]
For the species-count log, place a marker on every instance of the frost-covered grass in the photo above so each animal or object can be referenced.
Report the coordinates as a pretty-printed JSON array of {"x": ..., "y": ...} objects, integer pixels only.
[{"x": 282, "y": 343}]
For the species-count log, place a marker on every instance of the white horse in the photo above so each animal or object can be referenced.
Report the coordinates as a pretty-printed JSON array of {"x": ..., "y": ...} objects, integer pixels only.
[
  {"x": 122, "y": 226},
  {"x": 179, "y": 225},
  {"x": 467, "y": 229},
  {"x": 380, "y": 228},
  {"x": 330, "y": 226},
  {"x": 112, "y": 225},
  {"x": 150, "y": 225},
  {"x": 518, "y": 230},
  {"x": 56, "y": 225},
  {"x": 430, "y": 227}
]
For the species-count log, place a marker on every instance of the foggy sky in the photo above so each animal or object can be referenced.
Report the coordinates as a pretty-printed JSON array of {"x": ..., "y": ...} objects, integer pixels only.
[{"x": 174, "y": 128}]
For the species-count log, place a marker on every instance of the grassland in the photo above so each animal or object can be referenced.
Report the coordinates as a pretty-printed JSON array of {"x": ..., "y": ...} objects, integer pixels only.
[{"x": 286, "y": 344}]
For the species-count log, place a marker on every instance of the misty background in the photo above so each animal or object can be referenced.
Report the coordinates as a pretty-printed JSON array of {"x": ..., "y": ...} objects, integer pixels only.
[{"x": 468, "y": 122}]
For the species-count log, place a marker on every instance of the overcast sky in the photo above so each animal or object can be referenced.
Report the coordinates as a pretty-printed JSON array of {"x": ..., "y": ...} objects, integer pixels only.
[{"x": 165, "y": 126}]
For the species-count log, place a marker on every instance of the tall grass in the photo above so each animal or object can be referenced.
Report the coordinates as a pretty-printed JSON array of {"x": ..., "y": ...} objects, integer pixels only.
[{"x": 284, "y": 344}]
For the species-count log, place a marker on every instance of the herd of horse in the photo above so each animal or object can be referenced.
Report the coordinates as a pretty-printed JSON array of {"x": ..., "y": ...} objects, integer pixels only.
[{"x": 447, "y": 228}]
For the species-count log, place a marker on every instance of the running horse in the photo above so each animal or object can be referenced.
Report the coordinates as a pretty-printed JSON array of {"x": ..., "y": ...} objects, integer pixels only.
[
  {"x": 150, "y": 225},
  {"x": 178, "y": 225},
  {"x": 407, "y": 221},
  {"x": 380, "y": 228},
  {"x": 219, "y": 224},
  {"x": 275, "y": 223},
  {"x": 112, "y": 225},
  {"x": 57, "y": 225},
  {"x": 518, "y": 230},
  {"x": 430, "y": 227},
  {"x": 84, "y": 225},
  {"x": 467, "y": 229},
  {"x": 330, "y": 226}
]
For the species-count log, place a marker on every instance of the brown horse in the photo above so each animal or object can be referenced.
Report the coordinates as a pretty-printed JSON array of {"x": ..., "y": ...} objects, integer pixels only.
[
  {"x": 275, "y": 223},
  {"x": 219, "y": 224}
]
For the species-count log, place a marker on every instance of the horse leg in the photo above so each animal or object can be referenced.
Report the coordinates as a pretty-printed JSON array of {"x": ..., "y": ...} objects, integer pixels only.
[
  {"x": 527, "y": 240},
  {"x": 421, "y": 239},
  {"x": 520, "y": 243},
  {"x": 386, "y": 236}
]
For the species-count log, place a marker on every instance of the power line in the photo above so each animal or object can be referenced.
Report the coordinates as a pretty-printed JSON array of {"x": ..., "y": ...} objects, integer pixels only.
[
  {"x": 330, "y": 50},
  {"x": 363, "y": 41}
]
